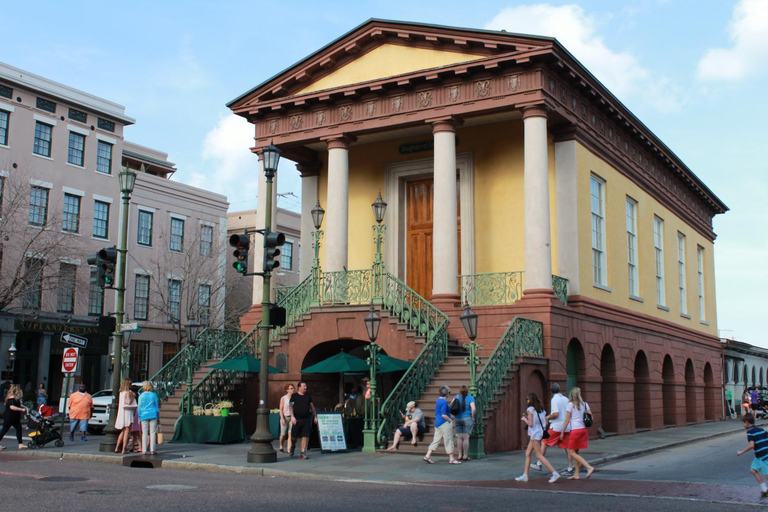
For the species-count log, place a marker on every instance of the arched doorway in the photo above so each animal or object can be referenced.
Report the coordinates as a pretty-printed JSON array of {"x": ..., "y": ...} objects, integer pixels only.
[
  {"x": 610, "y": 416},
  {"x": 574, "y": 365},
  {"x": 754, "y": 376},
  {"x": 690, "y": 393},
  {"x": 746, "y": 377},
  {"x": 710, "y": 393},
  {"x": 669, "y": 392},
  {"x": 642, "y": 392}
]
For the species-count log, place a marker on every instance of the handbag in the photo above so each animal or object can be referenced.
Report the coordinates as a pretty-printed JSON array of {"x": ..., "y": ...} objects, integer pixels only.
[
  {"x": 159, "y": 434},
  {"x": 455, "y": 406},
  {"x": 587, "y": 416},
  {"x": 545, "y": 432}
]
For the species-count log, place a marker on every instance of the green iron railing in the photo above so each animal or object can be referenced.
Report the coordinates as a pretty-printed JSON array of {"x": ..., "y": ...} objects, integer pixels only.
[
  {"x": 560, "y": 287},
  {"x": 347, "y": 287},
  {"x": 524, "y": 337},
  {"x": 282, "y": 291},
  {"x": 502, "y": 288},
  {"x": 428, "y": 321}
]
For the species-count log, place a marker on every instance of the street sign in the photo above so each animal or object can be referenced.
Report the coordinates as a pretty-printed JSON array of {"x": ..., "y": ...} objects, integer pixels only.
[
  {"x": 73, "y": 339},
  {"x": 132, "y": 327},
  {"x": 69, "y": 360}
]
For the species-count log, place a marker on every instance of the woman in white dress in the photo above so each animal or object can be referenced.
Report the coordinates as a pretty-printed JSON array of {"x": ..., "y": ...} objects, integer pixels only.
[{"x": 125, "y": 409}]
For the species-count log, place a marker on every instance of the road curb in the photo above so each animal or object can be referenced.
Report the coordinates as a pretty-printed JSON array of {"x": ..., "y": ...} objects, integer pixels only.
[{"x": 83, "y": 457}]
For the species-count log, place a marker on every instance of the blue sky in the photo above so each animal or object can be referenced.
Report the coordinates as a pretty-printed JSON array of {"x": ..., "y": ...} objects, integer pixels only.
[{"x": 696, "y": 73}]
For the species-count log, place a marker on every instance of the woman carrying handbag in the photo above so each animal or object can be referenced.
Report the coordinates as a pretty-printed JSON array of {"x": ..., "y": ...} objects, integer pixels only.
[{"x": 534, "y": 418}]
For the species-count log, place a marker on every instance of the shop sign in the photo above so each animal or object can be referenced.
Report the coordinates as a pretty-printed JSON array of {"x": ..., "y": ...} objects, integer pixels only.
[{"x": 330, "y": 429}]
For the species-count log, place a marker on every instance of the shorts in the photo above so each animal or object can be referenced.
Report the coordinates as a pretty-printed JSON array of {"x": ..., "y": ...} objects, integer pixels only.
[
  {"x": 554, "y": 438},
  {"x": 302, "y": 428},
  {"x": 753, "y": 406},
  {"x": 464, "y": 425},
  {"x": 285, "y": 428},
  {"x": 760, "y": 466},
  {"x": 578, "y": 439},
  {"x": 406, "y": 431}
]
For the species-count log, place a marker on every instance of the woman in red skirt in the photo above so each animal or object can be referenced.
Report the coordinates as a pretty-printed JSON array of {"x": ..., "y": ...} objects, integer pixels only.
[{"x": 578, "y": 438}]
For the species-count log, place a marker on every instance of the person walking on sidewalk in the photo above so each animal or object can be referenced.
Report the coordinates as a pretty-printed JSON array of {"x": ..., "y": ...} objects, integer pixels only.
[
  {"x": 465, "y": 420},
  {"x": 149, "y": 412},
  {"x": 303, "y": 415},
  {"x": 443, "y": 428},
  {"x": 556, "y": 420},
  {"x": 80, "y": 411},
  {"x": 754, "y": 400},
  {"x": 758, "y": 441},
  {"x": 285, "y": 418},
  {"x": 12, "y": 415},
  {"x": 578, "y": 438},
  {"x": 535, "y": 419}
]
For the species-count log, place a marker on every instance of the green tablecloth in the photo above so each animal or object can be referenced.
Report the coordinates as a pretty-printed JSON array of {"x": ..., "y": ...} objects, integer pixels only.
[{"x": 209, "y": 429}]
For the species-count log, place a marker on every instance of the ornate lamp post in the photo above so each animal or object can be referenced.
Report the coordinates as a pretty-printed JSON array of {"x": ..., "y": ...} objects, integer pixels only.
[
  {"x": 192, "y": 327},
  {"x": 317, "y": 234},
  {"x": 469, "y": 321},
  {"x": 372, "y": 322},
  {"x": 262, "y": 450},
  {"x": 11, "y": 356},
  {"x": 127, "y": 179},
  {"x": 379, "y": 210}
]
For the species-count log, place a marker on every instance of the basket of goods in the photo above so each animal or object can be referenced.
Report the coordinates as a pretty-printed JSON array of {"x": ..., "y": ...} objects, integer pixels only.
[
  {"x": 225, "y": 406},
  {"x": 198, "y": 410},
  {"x": 216, "y": 410},
  {"x": 208, "y": 411}
]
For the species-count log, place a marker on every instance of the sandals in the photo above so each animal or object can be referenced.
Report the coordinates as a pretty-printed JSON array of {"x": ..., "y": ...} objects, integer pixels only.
[
  {"x": 428, "y": 461},
  {"x": 589, "y": 473},
  {"x": 2, "y": 448},
  {"x": 414, "y": 444},
  {"x": 454, "y": 461}
]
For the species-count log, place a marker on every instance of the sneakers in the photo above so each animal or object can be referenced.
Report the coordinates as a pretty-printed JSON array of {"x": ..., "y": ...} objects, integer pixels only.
[
  {"x": 71, "y": 438},
  {"x": 522, "y": 478},
  {"x": 568, "y": 472},
  {"x": 291, "y": 453},
  {"x": 555, "y": 476},
  {"x": 536, "y": 466},
  {"x": 763, "y": 494},
  {"x": 303, "y": 456},
  {"x": 83, "y": 438}
]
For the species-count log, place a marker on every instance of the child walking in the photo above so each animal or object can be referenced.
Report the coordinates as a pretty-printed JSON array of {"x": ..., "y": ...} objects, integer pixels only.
[{"x": 758, "y": 441}]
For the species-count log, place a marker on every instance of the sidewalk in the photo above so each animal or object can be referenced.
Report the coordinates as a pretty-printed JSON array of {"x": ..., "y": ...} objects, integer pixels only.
[{"x": 388, "y": 467}]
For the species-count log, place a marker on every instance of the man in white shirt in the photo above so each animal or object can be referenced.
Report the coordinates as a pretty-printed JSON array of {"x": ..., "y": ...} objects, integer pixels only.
[{"x": 556, "y": 419}]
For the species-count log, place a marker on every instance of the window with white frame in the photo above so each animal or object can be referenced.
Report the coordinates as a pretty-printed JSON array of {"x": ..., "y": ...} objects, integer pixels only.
[
  {"x": 286, "y": 256},
  {"x": 700, "y": 262},
  {"x": 100, "y": 219},
  {"x": 76, "y": 150},
  {"x": 38, "y": 206},
  {"x": 597, "y": 205},
  {"x": 681, "y": 273},
  {"x": 43, "y": 139},
  {"x": 5, "y": 119},
  {"x": 104, "y": 157},
  {"x": 144, "y": 233},
  {"x": 206, "y": 240},
  {"x": 204, "y": 304},
  {"x": 658, "y": 244},
  {"x": 141, "y": 298},
  {"x": 95, "y": 295},
  {"x": 177, "y": 234},
  {"x": 174, "y": 300},
  {"x": 66, "y": 297},
  {"x": 33, "y": 283},
  {"x": 71, "y": 219},
  {"x": 634, "y": 286}
]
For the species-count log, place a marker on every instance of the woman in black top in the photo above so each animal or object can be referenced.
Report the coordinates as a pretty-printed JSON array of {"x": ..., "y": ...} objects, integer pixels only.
[{"x": 12, "y": 416}]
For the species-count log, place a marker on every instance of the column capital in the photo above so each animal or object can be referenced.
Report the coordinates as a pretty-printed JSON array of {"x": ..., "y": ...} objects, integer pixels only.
[
  {"x": 537, "y": 110},
  {"x": 445, "y": 124},
  {"x": 311, "y": 168},
  {"x": 341, "y": 141}
]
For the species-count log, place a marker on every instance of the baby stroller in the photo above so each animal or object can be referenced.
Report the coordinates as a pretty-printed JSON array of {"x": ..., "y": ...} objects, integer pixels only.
[{"x": 45, "y": 432}]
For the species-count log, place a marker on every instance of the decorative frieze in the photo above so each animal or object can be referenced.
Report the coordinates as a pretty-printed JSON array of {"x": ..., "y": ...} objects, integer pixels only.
[
  {"x": 453, "y": 93},
  {"x": 370, "y": 108},
  {"x": 397, "y": 104},
  {"x": 425, "y": 99},
  {"x": 320, "y": 118},
  {"x": 296, "y": 121},
  {"x": 345, "y": 112},
  {"x": 272, "y": 126},
  {"x": 513, "y": 82},
  {"x": 482, "y": 88}
]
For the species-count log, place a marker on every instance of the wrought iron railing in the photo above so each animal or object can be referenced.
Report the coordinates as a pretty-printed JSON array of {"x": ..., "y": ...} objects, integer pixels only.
[
  {"x": 560, "y": 287},
  {"x": 347, "y": 287},
  {"x": 524, "y": 337},
  {"x": 282, "y": 291},
  {"x": 492, "y": 289},
  {"x": 428, "y": 321}
]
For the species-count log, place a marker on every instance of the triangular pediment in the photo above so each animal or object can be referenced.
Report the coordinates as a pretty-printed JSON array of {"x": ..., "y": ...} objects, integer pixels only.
[{"x": 379, "y": 49}]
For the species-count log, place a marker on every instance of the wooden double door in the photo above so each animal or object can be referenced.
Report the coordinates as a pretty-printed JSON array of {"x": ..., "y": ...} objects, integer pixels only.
[{"x": 419, "y": 222}]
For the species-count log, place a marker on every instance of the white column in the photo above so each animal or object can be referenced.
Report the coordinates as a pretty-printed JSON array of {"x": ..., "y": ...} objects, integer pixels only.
[
  {"x": 538, "y": 251},
  {"x": 309, "y": 196},
  {"x": 337, "y": 209},
  {"x": 566, "y": 181},
  {"x": 43, "y": 361},
  {"x": 445, "y": 258},
  {"x": 257, "y": 241}
]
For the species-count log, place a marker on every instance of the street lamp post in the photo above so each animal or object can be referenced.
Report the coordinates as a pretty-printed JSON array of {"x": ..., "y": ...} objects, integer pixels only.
[
  {"x": 469, "y": 321},
  {"x": 192, "y": 327},
  {"x": 379, "y": 209},
  {"x": 262, "y": 449},
  {"x": 317, "y": 234},
  {"x": 127, "y": 179},
  {"x": 11, "y": 356},
  {"x": 372, "y": 322}
]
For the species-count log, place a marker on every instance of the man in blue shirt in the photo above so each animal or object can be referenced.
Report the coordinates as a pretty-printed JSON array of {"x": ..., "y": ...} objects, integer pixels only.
[{"x": 758, "y": 441}]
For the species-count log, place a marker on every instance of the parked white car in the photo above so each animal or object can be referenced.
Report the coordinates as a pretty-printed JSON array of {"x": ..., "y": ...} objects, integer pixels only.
[{"x": 101, "y": 402}]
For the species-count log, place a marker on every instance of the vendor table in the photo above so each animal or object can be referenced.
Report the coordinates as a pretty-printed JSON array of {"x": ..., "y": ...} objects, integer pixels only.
[{"x": 209, "y": 429}]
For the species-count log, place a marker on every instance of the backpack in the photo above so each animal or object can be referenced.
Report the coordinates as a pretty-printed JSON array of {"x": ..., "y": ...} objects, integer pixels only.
[{"x": 455, "y": 406}]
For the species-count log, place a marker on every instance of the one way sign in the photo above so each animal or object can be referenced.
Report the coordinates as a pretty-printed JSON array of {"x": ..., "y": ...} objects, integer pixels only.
[{"x": 72, "y": 339}]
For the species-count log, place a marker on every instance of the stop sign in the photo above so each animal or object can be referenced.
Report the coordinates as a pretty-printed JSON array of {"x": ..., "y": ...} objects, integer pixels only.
[{"x": 69, "y": 360}]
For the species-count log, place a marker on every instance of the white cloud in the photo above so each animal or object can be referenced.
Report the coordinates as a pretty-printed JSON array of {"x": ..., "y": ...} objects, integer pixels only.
[
  {"x": 620, "y": 72},
  {"x": 748, "y": 53}
]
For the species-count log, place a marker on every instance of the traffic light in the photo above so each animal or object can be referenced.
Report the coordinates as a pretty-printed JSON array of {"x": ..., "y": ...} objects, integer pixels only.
[
  {"x": 107, "y": 263},
  {"x": 272, "y": 242},
  {"x": 276, "y": 316},
  {"x": 241, "y": 243}
]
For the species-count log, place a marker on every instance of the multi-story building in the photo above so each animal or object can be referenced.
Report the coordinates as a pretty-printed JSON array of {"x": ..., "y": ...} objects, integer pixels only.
[
  {"x": 516, "y": 183},
  {"x": 61, "y": 150},
  {"x": 746, "y": 366}
]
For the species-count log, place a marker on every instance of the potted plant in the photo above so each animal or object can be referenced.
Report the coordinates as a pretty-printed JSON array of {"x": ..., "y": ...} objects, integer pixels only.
[{"x": 225, "y": 406}]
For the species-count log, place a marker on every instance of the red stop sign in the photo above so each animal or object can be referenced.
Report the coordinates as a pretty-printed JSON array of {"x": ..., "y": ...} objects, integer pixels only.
[{"x": 69, "y": 360}]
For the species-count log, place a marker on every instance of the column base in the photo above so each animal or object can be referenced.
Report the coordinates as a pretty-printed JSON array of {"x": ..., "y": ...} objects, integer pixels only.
[
  {"x": 476, "y": 447},
  {"x": 262, "y": 451},
  {"x": 446, "y": 301},
  {"x": 369, "y": 441}
]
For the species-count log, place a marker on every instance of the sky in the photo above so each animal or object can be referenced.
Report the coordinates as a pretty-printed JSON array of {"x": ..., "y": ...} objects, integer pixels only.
[{"x": 696, "y": 73}]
